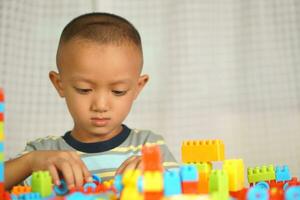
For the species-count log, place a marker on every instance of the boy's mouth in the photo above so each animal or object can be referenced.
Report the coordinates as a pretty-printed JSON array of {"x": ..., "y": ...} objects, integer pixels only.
[{"x": 99, "y": 121}]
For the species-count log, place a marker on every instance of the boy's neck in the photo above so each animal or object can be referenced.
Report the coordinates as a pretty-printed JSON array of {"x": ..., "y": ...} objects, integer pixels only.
[{"x": 81, "y": 136}]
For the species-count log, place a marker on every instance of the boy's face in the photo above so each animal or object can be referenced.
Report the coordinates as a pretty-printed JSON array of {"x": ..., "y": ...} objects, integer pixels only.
[{"x": 99, "y": 83}]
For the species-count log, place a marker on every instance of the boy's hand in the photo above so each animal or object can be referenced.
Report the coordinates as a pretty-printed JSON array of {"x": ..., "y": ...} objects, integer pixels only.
[
  {"x": 65, "y": 163},
  {"x": 133, "y": 162}
]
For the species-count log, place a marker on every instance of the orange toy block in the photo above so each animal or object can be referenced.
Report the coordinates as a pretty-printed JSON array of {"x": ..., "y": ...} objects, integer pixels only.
[
  {"x": 189, "y": 187},
  {"x": 202, "y": 151},
  {"x": 151, "y": 158},
  {"x": 204, "y": 170},
  {"x": 153, "y": 195},
  {"x": 17, "y": 190}
]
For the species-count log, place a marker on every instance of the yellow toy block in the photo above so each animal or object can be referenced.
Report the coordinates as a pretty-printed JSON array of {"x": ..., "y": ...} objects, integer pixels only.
[
  {"x": 131, "y": 193},
  {"x": 235, "y": 171},
  {"x": 153, "y": 181},
  {"x": 202, "y": 151},
  {"x": 130, "y": 177}
]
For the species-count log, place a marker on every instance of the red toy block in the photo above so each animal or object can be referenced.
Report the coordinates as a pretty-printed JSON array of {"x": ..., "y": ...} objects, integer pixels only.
[
  {"x": 275, "y": 184},
  {"x": 189, "y": 187},
  {"x": 1, "y": 95},
  {"x": 1, "y": 117},
  {"x": 153, "y": 195},
  {"x": 276, "y": 194},
  {"x": 151, "y": 158},
  {"x": 239, "y": 195}
]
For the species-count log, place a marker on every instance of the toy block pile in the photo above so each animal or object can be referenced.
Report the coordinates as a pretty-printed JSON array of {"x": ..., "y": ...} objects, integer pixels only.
[{"x": 2, "y": 191}]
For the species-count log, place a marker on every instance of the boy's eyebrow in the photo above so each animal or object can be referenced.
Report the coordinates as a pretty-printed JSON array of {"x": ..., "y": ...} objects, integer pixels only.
[{"x": 112, "y": 83}]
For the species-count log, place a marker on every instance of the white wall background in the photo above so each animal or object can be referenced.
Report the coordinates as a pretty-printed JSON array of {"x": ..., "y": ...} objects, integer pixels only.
[{"x": 219, "y": 69}]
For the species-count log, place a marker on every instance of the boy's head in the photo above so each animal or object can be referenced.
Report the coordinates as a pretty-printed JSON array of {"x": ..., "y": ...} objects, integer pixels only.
[{"x": 99, "y": 60}]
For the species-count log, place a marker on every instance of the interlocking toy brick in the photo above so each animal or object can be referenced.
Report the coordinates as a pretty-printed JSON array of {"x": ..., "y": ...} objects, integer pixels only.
[
  {"x": 282, "y": 174},
  {"x": 204, "y": 169},
  {"x": 196, "y": 151},
  {"x": 292, "y": 193},
  {"x": 235, "y": 171},
  {"x": 172, "y": 183},
  {"x": 263, "y": 173},
  {"x": 130, "y": 177},
  {"x": 151, "y": 158},
  {"x": 189, "y": 173},
  {"x": 19, "y": 189},
  {"x": 256, "y": 193},
  {"x": 218, "y": 182},
  {"x": 152, "y": 181},
  {"x": 41, "y": 182}
]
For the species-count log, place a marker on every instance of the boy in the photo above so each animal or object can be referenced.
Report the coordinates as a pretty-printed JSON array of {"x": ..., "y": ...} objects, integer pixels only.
[{"x": 99, "y": 61}]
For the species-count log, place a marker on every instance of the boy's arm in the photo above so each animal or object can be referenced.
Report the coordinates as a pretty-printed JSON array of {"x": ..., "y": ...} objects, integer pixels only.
[{"x": 16, "y": 170}]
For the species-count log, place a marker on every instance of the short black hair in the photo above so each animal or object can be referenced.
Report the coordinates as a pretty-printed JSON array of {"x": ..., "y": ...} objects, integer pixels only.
[{"x": 104, "y": 28}]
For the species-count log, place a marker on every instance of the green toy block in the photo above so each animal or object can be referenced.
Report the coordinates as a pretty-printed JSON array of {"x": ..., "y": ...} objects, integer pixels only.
[
  {"x": 41, "y": 182},
  {"x": 1, "y": 156},
  {"x": 263, "y": 173},
  {"x": 218, "y": 183}
]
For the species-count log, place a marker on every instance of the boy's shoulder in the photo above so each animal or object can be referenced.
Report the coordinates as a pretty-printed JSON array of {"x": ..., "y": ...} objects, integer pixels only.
[
  {"x": 50, "y": 142},
  {"x": 143, "y": 136}
]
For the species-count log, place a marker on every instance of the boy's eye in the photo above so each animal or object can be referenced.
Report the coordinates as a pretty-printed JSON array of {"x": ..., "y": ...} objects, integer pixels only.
[
  {"x": 82, "y": 90},
  {"x": 119, "y": 92}
]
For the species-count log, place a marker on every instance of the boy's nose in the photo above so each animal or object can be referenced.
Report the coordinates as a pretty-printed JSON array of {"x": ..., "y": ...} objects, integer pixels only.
[{"x": 100, "y": 104}]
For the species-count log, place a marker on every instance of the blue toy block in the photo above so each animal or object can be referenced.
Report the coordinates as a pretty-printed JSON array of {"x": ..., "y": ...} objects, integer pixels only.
[
  {"x": 118, "y": 183},
  {"x": 1, "y": 107},
  {"x": 292, "y": 193},
  {"x": 172, "y": 183},
  {"x": 89, "y": 185},
  {"x": 79, "y": 196},
  {"x": 96, "y": 178},
  {"x": 262, "y": 185},
  {"x": 1, "y": 172},
  {"x": 189, "y": 173},
  {"x": 257, "y": 193},
  {"x": 30, "y": 196},
  {"x": 282, "y": 174},
  {"x": 62, "y": 189},
  {"x": 1, "y": 147}
]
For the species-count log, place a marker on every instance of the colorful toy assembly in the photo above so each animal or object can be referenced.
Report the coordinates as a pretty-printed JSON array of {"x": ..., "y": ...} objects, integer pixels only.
[{"x": 195, "y": 179}]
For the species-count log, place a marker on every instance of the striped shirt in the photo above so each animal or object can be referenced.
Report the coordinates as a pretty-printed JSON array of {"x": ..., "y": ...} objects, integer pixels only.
[{"x": 104, "y": 158}]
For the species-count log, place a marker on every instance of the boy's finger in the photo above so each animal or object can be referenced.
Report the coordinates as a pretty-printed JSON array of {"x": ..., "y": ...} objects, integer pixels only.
[
  {"x": 54, "y": 174},
  {"x": 130, "y": 163},
  {"x": 78, "y": 174},
  {"x": 67, "y": 173},
  {"x": 86, "y": 174}
]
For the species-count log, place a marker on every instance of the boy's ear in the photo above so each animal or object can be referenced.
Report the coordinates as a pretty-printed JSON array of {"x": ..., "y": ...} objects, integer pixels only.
[
  {"x": 56, "y": 81},
  {"x": 143, "y": 79}
]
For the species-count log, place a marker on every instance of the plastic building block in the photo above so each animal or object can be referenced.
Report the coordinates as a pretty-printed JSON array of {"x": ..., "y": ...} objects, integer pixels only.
[
  {"x": 79, "y": 196},
  {"x": 30, "y": 196},
  {"x": 130, "y": 177},
  {"x": 256, "y": 193},
  {"x": 235, "y": 171},
  {"x": 218, "y": 182},
  {"x": 118, "y": 183},
  {"x": 151, "y": 158},
  {"x": 172, "y": 183},
  {"x": 263, "y": 185},
  {"x": 239, "y": 195},
  {"x": 204, "y": 169},
  {"x": 152, "y": 181},
  {"x": 202, "y": 151},
  {"x": 264, "y": 173},
  {"x": 86, "y": 186},
  {"x": 189, "y": 187},
  {"x": 17, "y": 190},
  {"x": 282, "y": 174},
  {"x": 189, "y": 173},
  {"x": 292, "y": 193},
  {"x": 130, "y": 192},
  {"x": 276, "y": 193},
  {"x": 62, "y": 189},
  {"x": 153, "y": 195},
  {"x": 41, "y": 183}
]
